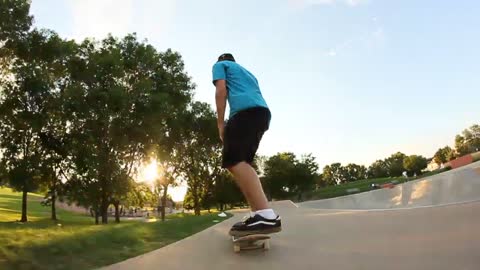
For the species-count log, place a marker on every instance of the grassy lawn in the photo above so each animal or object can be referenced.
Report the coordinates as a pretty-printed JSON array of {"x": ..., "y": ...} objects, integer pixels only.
[
  {"x": 360, "y": 186},
  {"x": 78, "y": 243}
]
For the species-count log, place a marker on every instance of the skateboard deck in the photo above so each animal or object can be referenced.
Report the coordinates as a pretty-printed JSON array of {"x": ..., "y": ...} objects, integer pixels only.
[{"x": 252, "y": 241}]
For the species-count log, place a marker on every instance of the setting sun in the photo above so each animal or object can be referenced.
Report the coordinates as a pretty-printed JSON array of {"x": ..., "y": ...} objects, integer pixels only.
[{"x": 151, "y": 171}]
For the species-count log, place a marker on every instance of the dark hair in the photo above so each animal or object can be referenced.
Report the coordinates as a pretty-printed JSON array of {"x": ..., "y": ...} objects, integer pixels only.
[{"x": 226, "y": 57}]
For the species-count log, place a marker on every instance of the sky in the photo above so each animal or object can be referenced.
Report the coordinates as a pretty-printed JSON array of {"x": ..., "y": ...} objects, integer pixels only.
[{"x": 346, "y": 80}]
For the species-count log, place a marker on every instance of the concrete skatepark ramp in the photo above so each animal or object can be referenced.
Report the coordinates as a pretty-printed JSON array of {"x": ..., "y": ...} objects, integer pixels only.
[
  {"x": 455, "y": 186},
  {"x": 425, "y": 237}
]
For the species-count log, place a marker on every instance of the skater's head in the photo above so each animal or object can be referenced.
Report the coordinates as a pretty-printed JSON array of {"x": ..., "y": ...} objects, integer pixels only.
[{"x": 226, "y": 57}]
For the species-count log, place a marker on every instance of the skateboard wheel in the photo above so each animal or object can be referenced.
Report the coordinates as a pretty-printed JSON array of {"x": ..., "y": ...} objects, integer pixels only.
[
  {"x": 266, "y": 245},
  {"x": 236, "y": 248}
]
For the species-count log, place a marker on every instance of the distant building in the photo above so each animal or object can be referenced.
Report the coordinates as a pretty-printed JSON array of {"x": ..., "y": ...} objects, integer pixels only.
[
  {"x": 432, "y": 165},
  {"x": 169, "y": 206}
]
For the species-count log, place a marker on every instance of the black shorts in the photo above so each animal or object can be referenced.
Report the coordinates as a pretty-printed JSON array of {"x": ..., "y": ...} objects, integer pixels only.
[{"x": 243, "y": 133}]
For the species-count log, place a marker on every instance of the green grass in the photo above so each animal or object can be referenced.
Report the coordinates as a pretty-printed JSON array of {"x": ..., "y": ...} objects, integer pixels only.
[
  {"x": 78, "y": 243},
  {"x": 476, "y": 156},
  {"x": 360, "y": 185}
]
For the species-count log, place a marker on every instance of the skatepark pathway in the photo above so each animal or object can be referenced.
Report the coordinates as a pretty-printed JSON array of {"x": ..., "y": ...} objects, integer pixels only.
[{"x": 434, "y": 237}]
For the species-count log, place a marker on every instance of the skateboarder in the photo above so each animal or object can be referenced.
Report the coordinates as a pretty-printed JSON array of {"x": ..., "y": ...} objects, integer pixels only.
[{"x": 249, "y": 118}]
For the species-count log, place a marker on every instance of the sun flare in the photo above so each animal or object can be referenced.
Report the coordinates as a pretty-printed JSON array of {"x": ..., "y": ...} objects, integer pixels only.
[{"x": 150, "y": 172}]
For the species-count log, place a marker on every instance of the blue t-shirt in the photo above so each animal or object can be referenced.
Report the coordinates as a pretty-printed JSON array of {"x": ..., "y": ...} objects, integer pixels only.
[{"x": 242, "y": 86}]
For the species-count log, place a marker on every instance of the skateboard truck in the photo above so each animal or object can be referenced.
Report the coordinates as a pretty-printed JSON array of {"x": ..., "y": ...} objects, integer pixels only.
[{"x": 250, "y": 242}]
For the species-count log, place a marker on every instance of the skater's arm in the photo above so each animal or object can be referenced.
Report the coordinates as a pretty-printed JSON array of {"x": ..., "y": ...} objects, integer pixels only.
[{"x": 221, "y": 100}]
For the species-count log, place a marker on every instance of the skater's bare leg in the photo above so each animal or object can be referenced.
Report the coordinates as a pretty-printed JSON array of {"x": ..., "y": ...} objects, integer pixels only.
[{"x": 250, "y": 185}]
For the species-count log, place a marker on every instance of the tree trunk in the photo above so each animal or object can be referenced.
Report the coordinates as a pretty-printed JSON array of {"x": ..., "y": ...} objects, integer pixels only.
[
  {"x": 54, "y": 198},
  {"x": 24, "y": 205},
  {"x": 196, "y": 205},
  {"x": 117, "y": 212},
  {"x": 104, "y": 210},
  {"x": 54, "y": 211},
  {"x": 164, "y": 201},
  {"x": 104, "y": 215},
  {"x": 96, "y": 217}
]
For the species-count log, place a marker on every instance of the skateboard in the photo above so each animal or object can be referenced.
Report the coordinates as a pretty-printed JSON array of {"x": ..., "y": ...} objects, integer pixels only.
[{"x": 252, "y": 241}]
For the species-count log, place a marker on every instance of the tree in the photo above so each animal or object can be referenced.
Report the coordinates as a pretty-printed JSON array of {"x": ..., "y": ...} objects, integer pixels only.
[
  {"x": 378, "y": 169},
  {"x": 394, "y": 164},
  {"x": 161, "y": 185},
  {"x": 24, "y": 177},
  {"x": 82, "y": 190},
  {"x": 55, "y": 161},
  {"x": 24, "y": 109},
  {"x": 259, "y": 164},
  {"x": 355, "y": 172},
  {"x": 171, "y": 147},
  {"x": 124, "y": 183},
  {"x": 304, "y": 175},
  {"x": 54, "y": 187},
  {"x": 3, "y": 174},
  {"x": 415, "y": 164},
  {"x": 320, "y": 181},
  {"x": 130, "y": 89},
  {"x": 335, "y": 173},
  {"x": 226, "y": 192},
  {"x": 279, "y": 170},
  {"x": 287, "y": 176},
  {"x": 444, "y": 155},
  {"x": 328, "y": 176},
  {"x": 362, "y": 172},
  {"x": 188, "y": 203},
  {"x": 139, "y": 195},
  {"x": 469, "y": 141},
  {"x": 200, "y": 154},
  {"x": 15, "y": 21}
]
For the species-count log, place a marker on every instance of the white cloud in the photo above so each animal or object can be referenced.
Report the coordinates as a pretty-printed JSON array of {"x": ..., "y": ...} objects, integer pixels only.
[
  {"x": 154, "y": 18},
  {"x": 376, "y": 38},
  {"x": 94, "y": 18},
  {"x": 339, "y": 49},
  {"x": 319, "y": 2},
  {"x": 306, "y": 3},
  {"x": 370, "y": 39},
  {"x": 378, "y": 33},
  {"x": 355, "y": 2},
  {"x": 332, "y": 53}
]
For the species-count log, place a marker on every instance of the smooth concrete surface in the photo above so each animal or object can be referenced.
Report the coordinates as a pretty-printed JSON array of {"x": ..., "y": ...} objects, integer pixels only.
[
  {"x": 436, "y": 238},
  {"x": 458, "y": 185}
]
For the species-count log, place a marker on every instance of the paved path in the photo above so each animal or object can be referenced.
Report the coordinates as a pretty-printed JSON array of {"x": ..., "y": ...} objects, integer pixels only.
[{"x": 441, "y": 237}]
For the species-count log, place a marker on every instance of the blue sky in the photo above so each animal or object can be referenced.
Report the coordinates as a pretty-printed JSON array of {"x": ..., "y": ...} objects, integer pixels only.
[{"x": 346, "y": 80}]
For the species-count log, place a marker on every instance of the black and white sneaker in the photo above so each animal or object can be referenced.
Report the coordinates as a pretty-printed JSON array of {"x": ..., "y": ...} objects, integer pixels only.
[{"x": 256, "y": 225}]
